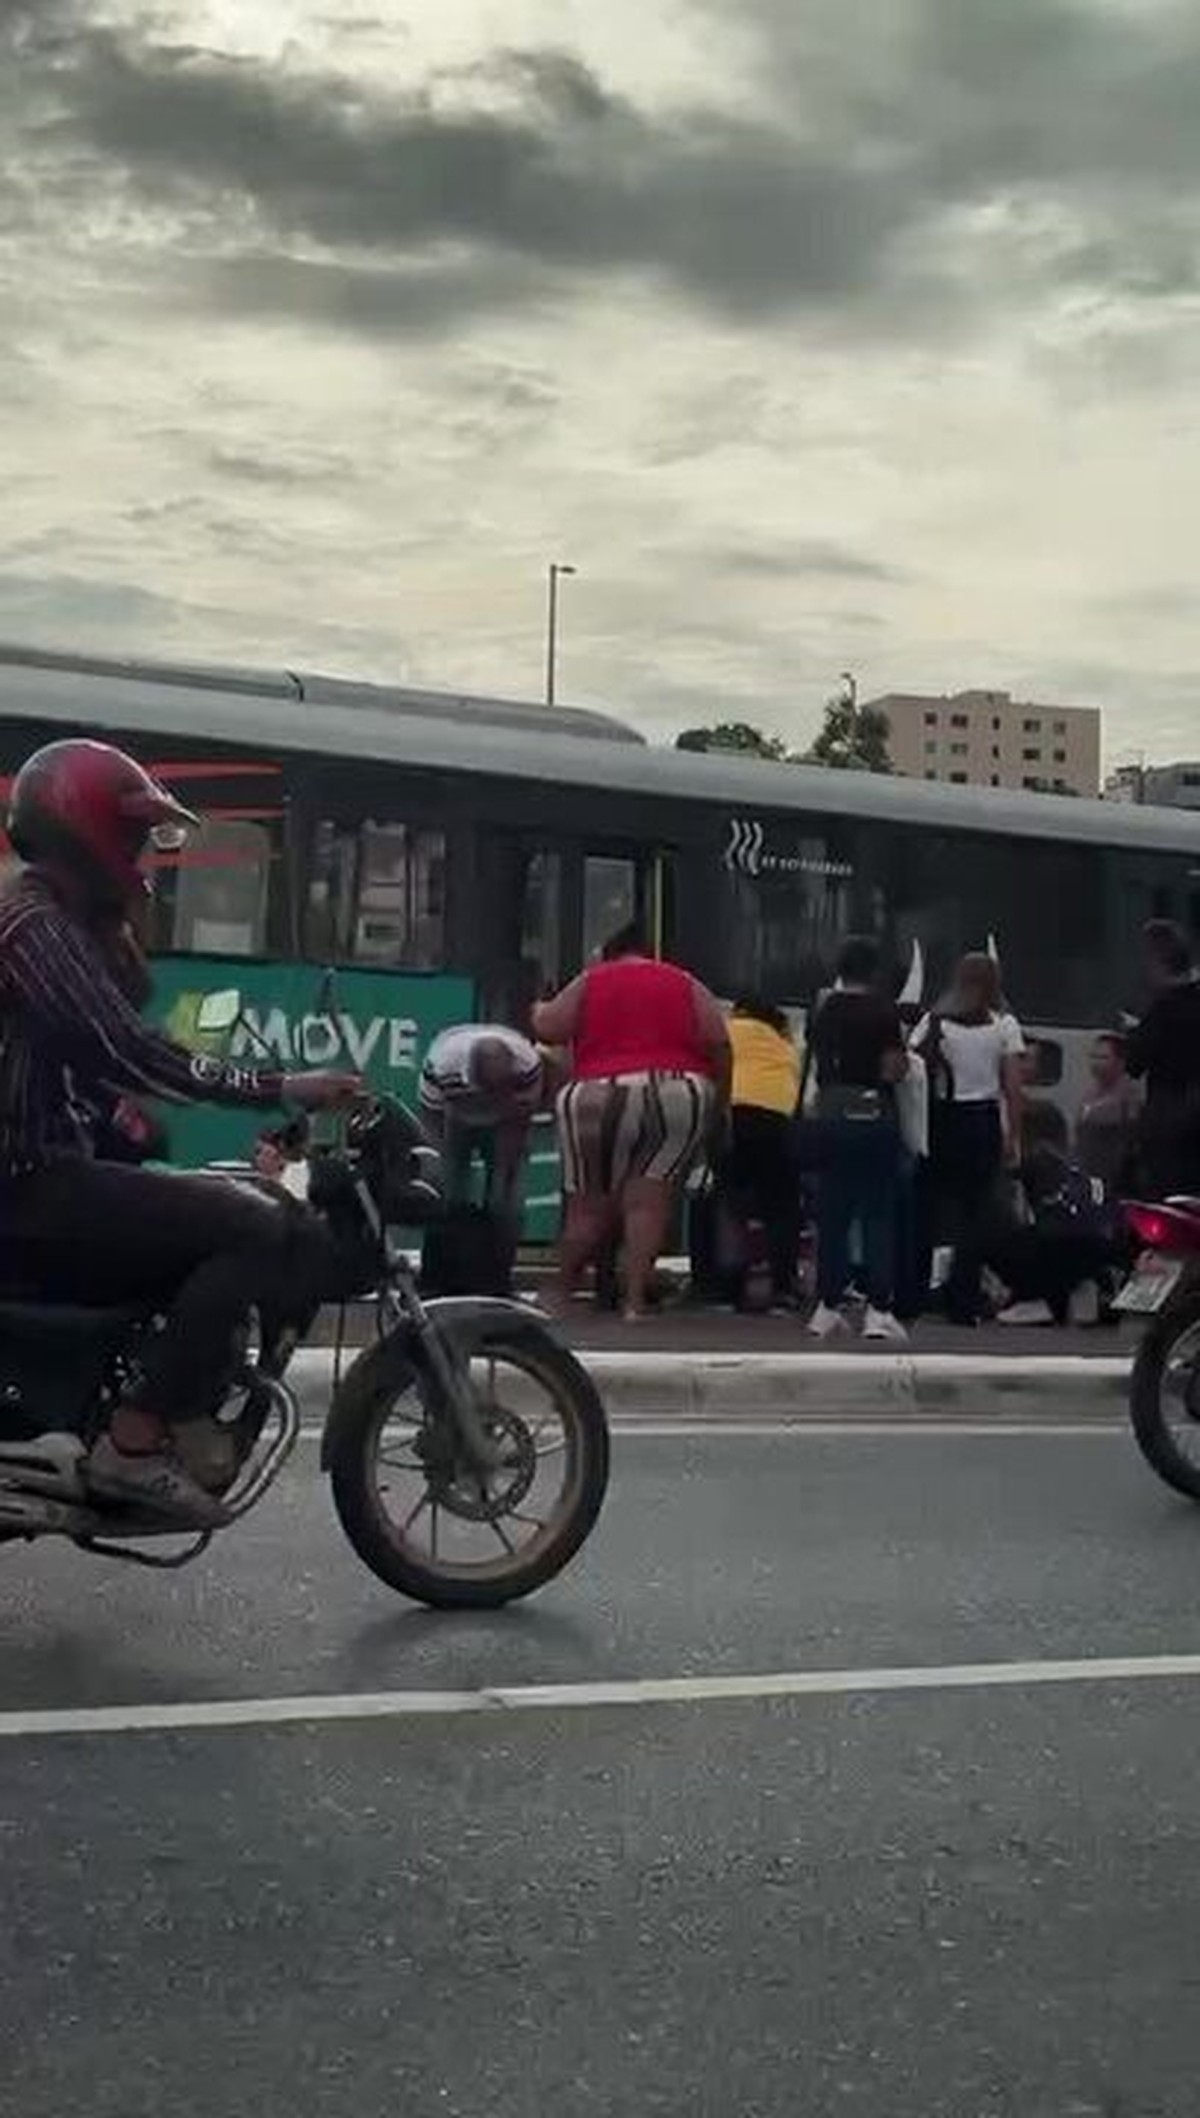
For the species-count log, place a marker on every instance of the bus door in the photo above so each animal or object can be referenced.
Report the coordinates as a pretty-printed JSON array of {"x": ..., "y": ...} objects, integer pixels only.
[
  {"x": 622, "y": 884},
  {"x": 520, "y": 920},
  {"x": 547, "y": 903}
]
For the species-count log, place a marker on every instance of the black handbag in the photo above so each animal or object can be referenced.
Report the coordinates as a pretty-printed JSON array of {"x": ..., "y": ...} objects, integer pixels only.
[
  {"x": 849, "y": 1105},
  {"x": 841, "y": 1101}
]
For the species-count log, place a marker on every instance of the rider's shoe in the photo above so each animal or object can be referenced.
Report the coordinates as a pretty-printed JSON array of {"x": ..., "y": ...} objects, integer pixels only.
[
  {"x": 157, "y": 1483},
  {"x": 209, "y": 1454}
]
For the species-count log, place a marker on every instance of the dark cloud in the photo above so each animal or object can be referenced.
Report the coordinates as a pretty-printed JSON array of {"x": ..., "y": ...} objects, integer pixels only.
[
  {"x": 48, "y": 606},
  {"x": 255, "y": 467},
  {"x": 900, "y": 165},
  {"x": 526, "y": 162},
  {"x": 1077, "y": 99},
  {"x": 408, "y": 299},
  {"x": 75, "y": 610},
  {"x": 808, "y": 555},
  {"x": 473, "y": 187}
]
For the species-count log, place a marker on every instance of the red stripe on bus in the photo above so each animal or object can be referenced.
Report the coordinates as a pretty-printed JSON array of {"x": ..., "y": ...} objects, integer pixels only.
[
  {"x": 214, "y": 769},
  {"x": 233, "y": 816},
  {"x": 187, "y": 772},
  {"x": 155, "y": 861}
]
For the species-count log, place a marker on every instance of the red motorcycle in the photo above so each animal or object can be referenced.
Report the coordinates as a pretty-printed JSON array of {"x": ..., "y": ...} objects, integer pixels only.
[{"x": 1164, "y": 1288}]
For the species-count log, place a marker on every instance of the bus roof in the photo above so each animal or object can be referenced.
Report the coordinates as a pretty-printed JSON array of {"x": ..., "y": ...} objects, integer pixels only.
[
  {"x": 323, "y": 717},
  {"x": 303, "y": 687}
]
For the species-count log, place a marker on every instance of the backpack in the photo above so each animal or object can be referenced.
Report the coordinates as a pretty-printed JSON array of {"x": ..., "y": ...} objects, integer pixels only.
[
  {"x": 1073, "y": 1206},
  {"x": 938, "y": 1070}
]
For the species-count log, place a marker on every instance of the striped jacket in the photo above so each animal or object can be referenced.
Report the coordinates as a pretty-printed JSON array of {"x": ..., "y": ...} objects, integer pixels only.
[{"x": 70, "y": 1041}]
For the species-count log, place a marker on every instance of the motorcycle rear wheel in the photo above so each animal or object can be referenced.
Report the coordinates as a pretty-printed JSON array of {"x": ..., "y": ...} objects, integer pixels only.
[
  {"x": 386, "y": 1436},
  {"x": 1166, "y": 1381}
]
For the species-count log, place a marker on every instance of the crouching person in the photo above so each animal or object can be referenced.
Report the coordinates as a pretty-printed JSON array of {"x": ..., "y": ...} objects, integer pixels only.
[{"x": 481, "y": 1086}]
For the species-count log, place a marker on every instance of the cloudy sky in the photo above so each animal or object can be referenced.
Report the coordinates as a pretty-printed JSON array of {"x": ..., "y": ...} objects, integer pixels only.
[{"x": 818, "y": 334}]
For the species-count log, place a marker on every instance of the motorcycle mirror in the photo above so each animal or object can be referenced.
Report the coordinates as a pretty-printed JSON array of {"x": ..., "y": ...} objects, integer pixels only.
[{"x": 218, "y": 1012}]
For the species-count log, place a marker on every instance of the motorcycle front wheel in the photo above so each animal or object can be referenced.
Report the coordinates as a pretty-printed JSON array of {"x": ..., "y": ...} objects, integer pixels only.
[
  {"x": 1164, "y": 1399},
  {"x": 429, "y": 1526}
]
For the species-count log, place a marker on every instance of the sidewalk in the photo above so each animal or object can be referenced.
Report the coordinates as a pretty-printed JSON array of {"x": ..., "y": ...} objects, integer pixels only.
[
  {"x": 681, "y": 1329},
  {"x": 706, "y": 1366}
]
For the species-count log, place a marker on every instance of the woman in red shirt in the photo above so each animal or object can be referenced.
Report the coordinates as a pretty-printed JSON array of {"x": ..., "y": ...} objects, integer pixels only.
[{"x": 650, "y": 1066}]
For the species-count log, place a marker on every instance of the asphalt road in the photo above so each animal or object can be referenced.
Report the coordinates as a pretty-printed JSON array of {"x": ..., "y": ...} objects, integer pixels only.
[{"x": 971, "y": 1899}]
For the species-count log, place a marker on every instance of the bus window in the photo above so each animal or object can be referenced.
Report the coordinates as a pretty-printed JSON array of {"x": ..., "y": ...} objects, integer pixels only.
[
  {"x": 1043, "y": 905},
  {"x": 779, "y": 929},
  {"x": 221, "y": 891},
  {"x": 609, "y": 899},
  {"x": 1044, "y": 1066},
  {"x": 541, "y": 920},
  {"x": 377, "y": 895}
]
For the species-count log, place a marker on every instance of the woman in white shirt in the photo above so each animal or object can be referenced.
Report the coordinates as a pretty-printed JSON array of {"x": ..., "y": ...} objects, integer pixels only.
[{"x": 973, "y": 1053}]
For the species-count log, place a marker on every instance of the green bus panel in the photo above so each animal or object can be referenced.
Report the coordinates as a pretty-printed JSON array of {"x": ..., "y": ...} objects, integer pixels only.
[{"x": 381, "y": 1025}]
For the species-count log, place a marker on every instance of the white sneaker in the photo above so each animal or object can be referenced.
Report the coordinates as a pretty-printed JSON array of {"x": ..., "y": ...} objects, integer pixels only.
[
  {"x": 826, "y": 1322},
  {"x": 880, "y": 1323},
  {"x": 1026, "y": 1313}
]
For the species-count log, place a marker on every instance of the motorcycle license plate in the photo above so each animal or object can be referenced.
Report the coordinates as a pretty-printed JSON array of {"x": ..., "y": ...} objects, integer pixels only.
[{"x": 1151, "y": 1281}]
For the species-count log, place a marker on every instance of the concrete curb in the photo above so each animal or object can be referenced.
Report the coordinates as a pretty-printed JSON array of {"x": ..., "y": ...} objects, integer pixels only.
[{"x": 723, "y": 1386}]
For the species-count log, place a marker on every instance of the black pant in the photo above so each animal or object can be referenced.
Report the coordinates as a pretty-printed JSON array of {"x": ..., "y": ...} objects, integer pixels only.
[
  {"x": 969, "y": 1156},
  {"x": 203, "y": 1247},
  {"x": 914, "y": 1256},
  {"x": 762, "y": 1179},
  {"x": 859, "y": 1181},
  {"x": 1037, "y": 1266},
  {"x": 1169, "y": 1147}
]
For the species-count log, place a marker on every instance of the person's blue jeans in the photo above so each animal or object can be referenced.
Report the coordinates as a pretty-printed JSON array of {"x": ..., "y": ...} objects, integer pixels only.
[{"x": 859, "y": 1178}]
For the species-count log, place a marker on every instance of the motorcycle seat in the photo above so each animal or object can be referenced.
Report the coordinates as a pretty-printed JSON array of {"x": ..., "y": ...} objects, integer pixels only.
[{"x": 21, "y": 1318}]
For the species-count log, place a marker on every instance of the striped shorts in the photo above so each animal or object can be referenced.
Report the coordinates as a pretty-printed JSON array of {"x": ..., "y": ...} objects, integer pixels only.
[{"x": 631, "y": 1125}]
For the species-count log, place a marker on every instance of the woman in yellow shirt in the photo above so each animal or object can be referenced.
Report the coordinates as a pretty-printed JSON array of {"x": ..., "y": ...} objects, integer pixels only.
[{"x": 763, "y": 1175}]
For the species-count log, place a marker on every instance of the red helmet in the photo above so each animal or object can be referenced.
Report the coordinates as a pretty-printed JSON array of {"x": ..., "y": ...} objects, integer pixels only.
[{"x": 92, "y": 809}]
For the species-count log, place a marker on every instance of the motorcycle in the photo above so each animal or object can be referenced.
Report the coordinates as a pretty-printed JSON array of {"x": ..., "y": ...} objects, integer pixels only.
[
  {"x": 1164, "y": 1289},
  {"x": 467, "y": 1449}
]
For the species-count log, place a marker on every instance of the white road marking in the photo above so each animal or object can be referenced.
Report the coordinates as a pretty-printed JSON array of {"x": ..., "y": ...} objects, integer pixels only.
[
  {"x": 637, "y": 1428},
  {"x": 634, "y": 1429},
  {"x": 163, "y": 1716},
  {"x": 315, "y": 1364}
]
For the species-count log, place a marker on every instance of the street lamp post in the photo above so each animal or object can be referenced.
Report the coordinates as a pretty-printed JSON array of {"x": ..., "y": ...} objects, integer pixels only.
[{"x": 557, "y": 572}]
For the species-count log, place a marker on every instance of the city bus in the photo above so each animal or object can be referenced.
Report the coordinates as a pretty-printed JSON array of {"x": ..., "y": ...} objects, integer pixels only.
[{"x": 450, "y": 858}]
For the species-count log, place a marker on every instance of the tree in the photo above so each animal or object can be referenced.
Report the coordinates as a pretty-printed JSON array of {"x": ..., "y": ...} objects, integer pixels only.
[
  {"x": 853, "y": 739},
  {"x": 737, "y": 736}
]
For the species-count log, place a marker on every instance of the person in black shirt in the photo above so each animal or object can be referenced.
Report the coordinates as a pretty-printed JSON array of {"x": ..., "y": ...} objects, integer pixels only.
[
  {"x": 1164, "y": 1051},
  {"x": 857, "y": 1054}
]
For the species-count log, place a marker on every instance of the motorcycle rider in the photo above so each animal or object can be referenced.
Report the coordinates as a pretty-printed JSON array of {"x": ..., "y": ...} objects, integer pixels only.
[{"x": 75, "y": 1227}]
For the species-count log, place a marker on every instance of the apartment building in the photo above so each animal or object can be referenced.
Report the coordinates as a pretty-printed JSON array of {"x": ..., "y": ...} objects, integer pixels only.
[
  {"x": 990, "y": 739},
  {"x": 1166, "y": 786}
]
